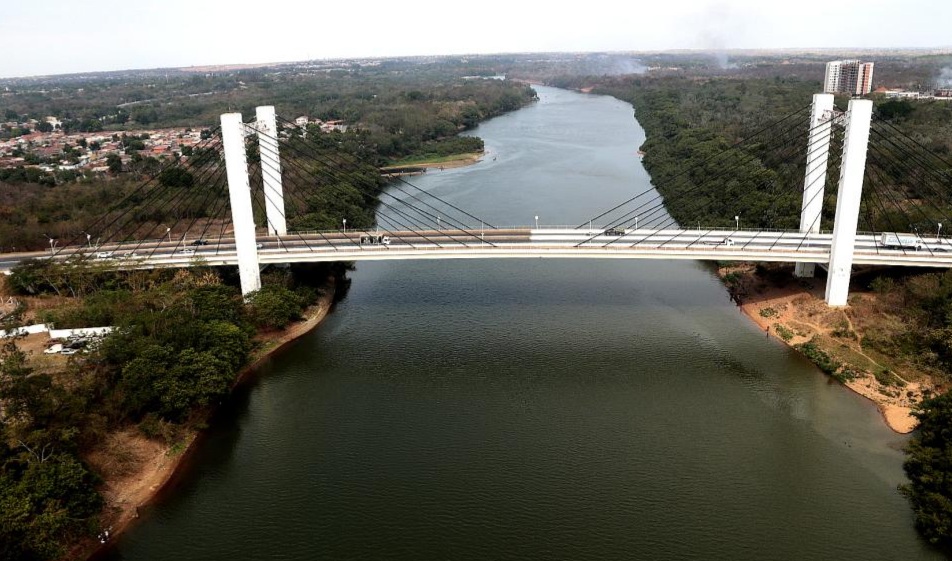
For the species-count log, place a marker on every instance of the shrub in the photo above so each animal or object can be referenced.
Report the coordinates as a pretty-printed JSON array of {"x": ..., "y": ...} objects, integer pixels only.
[
  {"x": 274, "y": 307},
  {"x": 821, "y": 358},
  {"x": 784, "y": 333}
]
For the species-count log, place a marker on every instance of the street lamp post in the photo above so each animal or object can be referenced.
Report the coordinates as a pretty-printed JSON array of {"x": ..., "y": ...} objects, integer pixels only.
[
  {"x": 438, "y": 225},
  {"x": 938, "y": 232},
  {"x": 537, "y": 221},
  {"x": 169, "y": 232},
  {"x": 89, "y": 239},
  {"x": 345, "y": 226},
  {"x": 737, "y": 222}
]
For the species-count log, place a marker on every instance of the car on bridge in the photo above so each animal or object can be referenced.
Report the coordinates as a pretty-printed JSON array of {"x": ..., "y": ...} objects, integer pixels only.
[
  {"x": 199, "y": 242},
  {"x": 187, "y": 252},
  {"x": 374, "y": 240},
  {"x": 614, "y": 232},
  {"x": 104, "y": 255}
]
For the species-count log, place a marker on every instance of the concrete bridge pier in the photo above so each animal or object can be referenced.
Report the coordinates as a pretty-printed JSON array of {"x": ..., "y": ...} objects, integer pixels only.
[
  {"x": 852, "y": 169},
  {"x": 239, "y": 192},
  {"x": 271, "y": 170},
  {"x": 814, "y": 182}
]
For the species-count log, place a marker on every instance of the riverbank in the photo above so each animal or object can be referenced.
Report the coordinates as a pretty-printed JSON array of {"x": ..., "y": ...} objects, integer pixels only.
[
  {"x": 794, "y": 311},
  {"x": 412, "y": 167},
  {"x": 136, "y": 469}
]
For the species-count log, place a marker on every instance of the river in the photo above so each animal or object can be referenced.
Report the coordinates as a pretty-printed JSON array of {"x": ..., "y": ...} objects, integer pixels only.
[{"x": 539, "y": 409}]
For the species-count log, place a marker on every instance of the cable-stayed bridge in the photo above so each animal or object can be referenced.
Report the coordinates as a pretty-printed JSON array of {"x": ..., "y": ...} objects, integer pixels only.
[{"x": 250, "y": 196}]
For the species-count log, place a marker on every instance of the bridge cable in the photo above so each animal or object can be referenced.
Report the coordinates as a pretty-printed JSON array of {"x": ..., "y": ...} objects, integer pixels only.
[
  {"x": 411, "y": 185},
  {"x": 742, "y": 158},
  {"x": 370, "y": 197},
  {"x": 685, "y": 171},
  {"x": 121, "y": 202},
  {"x": 157, "y": 194},
  {"x": 338, "y": 176},
  {"x": 299, "y": 169},
  {"x": 906, "y": 167}
]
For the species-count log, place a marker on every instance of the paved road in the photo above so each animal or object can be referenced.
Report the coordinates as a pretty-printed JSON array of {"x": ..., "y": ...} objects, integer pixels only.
[{"x": 512, "y": 242}]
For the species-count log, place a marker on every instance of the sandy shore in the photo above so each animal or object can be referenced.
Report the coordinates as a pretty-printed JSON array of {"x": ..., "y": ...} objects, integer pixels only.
[
  {"x": 799, "y": 311},
  {"x": 462, "y": 160},
  {"x": 146, "y": 466}
]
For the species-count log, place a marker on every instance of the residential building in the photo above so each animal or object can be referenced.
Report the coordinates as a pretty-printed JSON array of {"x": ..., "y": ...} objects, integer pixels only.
[{"x": 848, "y": 76}]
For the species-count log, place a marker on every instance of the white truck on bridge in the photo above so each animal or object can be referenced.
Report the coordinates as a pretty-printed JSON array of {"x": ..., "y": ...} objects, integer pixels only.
[{"x": 901, "y": 241}]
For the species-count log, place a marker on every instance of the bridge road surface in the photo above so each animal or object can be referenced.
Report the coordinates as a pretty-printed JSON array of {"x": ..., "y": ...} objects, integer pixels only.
[{"x": 752, "y": 245}]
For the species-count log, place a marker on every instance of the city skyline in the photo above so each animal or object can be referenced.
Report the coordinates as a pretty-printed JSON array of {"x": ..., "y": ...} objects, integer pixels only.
[{"x": 58, "y": 37}]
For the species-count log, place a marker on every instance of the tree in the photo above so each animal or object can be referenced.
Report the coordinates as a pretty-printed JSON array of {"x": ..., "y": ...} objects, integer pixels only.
[
  {"x": 274, "y": 307},
  {"x": 176, "y": 177},
  {"x": 895, "y": 108},
  {"x": 114, "y": 162},
  {"x": 929, "y": 467},
  {"x": 196, "y": 379}
]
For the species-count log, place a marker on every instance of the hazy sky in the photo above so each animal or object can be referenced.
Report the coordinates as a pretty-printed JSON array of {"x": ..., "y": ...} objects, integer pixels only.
[{"x": 59, "y": 36}]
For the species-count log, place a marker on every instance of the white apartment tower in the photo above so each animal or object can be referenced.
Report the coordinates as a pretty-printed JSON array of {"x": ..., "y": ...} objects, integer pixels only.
[{"x": 848, "y": 76}]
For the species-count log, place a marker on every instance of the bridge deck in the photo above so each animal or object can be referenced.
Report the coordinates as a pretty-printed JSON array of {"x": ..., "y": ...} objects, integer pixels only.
[{"x": 564, "y": 243}]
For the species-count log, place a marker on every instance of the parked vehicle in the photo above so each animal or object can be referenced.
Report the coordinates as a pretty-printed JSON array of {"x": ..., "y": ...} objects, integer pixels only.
[
  {"x": 54, "y": 349},
  {"x": 901, "y": 241},
  {"x": 104, "y": 255}
]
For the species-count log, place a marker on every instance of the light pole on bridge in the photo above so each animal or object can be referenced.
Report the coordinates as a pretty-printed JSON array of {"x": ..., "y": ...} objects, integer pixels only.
[
  {"x": 537, "y": 221},
  {"x": 737, "y": 222},
  {"x": 89, "y": 239},
  {"x": 345, "y": 226},
  {"x": 938, "y": 232},
  {"x": 52, "y": 244}
]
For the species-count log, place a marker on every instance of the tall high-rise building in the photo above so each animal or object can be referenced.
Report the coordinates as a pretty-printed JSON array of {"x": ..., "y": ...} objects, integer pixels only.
[{"x": 848, "y": 76}]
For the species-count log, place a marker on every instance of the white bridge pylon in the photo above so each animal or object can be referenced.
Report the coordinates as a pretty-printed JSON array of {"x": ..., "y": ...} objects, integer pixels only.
[{"x": 838, "y": 252}]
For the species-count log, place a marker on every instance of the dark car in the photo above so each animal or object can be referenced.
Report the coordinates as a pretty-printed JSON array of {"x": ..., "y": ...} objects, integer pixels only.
[
  {"x": 614, "y": 232},
  {"x": 199, "y": 242}
]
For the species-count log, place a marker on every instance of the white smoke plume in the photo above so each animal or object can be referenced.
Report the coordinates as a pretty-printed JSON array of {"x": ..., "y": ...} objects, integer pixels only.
[{"x": 945, "y": 77}]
